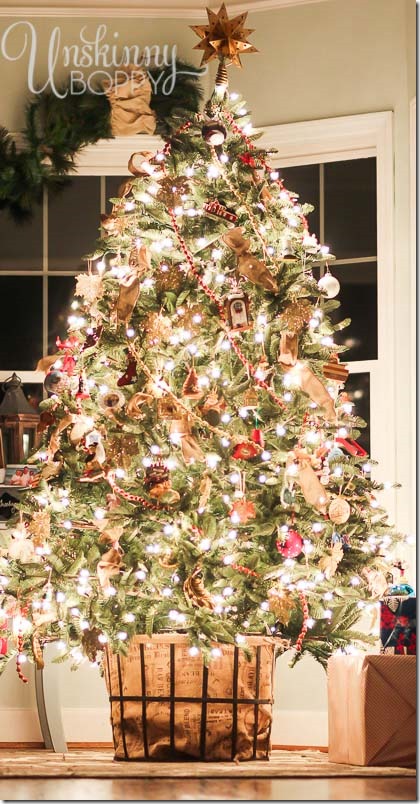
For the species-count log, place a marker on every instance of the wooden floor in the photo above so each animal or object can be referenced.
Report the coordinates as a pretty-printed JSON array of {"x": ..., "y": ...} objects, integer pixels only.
[
  {"x": 368, "y": 789},
  {"x": 103, "y": 783}
]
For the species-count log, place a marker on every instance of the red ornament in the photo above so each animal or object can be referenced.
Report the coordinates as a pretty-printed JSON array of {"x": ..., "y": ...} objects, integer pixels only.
[
  {"x": 248, "y": 159},
  {"x": 68, "y": 364},
  {"x": 351, "y": 446},
  {"x": 245, "y": 451},
  {"x": 3, "y": 646},
  {"x": 291, "y": 546},
  {"x": 257, "y": 436}
]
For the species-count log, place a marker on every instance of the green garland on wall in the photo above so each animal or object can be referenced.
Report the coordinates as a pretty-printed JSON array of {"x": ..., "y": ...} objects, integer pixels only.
[{"x": 56, "y": 130}]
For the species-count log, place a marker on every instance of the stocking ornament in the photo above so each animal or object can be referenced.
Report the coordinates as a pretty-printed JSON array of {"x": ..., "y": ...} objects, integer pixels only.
[{"x": 130, "y": 373}]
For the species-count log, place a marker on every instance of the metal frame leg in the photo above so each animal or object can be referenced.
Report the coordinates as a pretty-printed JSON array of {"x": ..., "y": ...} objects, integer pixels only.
[{"x": 48, "y": 703}]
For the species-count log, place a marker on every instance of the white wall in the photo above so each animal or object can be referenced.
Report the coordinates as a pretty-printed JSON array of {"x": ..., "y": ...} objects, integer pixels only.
[{"x": 319, "y": 60}]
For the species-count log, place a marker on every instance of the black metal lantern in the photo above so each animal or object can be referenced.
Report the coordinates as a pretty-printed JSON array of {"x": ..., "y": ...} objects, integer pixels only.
[{"x": 18, "y": 422}]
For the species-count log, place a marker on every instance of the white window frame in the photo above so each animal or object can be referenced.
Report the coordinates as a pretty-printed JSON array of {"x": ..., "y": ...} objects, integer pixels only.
[
  {"x": 312, "y": 142},
  {"x": 345, "y": 138}
]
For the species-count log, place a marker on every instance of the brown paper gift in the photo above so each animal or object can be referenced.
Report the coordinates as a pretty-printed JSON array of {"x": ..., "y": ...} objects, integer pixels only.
[
  {"x": 166, "y": 705},
  {"x": 372, "y": 710}
]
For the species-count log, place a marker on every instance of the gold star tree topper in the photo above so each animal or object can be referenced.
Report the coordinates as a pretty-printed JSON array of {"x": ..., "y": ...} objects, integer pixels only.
[{"x": 223, "y": 38}]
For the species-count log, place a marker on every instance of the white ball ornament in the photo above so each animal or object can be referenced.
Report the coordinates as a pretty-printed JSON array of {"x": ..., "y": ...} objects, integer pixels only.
[{"x": 330, "y": 285}]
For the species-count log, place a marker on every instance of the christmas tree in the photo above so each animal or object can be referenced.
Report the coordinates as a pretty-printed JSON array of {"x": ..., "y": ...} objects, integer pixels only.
[{"x": 199, "y": 468}]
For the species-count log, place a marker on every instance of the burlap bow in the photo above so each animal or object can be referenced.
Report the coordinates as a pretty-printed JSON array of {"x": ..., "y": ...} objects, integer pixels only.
[
  {"x": 129, "y": 95},
  {"x": 248, "y": 265}
]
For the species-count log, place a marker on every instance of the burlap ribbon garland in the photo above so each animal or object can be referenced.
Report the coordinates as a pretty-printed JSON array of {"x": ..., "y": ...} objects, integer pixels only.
[
  {"x": 313, "y": 491},
  {"x": 248, "y": 265}
]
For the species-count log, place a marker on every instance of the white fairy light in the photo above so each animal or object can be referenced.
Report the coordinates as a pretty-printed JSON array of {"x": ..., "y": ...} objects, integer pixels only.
[
  {"x": 194, "y": 651},
  {"x": 212, "y": 459},
  {"x": 205, "y": 544},
  {"x": 122, "y": 635}
]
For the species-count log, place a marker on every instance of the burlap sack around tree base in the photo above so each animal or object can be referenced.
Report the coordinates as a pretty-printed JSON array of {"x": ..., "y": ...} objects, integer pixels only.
[{"x": 166, "y": 705}]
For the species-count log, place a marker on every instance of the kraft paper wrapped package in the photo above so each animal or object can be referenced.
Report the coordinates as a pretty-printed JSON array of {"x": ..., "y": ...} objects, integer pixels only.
[
  {"x": 398, "y": 624},
  {"x": 166, "y": 705},
  {"x": 372, "y": 710}
]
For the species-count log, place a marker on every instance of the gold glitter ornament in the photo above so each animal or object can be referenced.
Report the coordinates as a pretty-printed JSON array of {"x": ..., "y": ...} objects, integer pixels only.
[
  {"x": 296, "y": 315},
  {"x": 170, "y": 276},
  {"x": 158, "y": 328},
  {"x": 280, "y": 603},
  {"x": 39, "y": 527},
  {"x": 171, "y": 190},
  {"x": 339, "y": 511}
]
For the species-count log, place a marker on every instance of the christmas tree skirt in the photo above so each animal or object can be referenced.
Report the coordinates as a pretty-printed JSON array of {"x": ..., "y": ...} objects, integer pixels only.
[{"x": 100, "y": 764}]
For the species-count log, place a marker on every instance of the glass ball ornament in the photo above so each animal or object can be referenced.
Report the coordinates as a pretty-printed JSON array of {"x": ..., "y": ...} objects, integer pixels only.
[
  {"x": 329, "y": 285},
  {"x": 291, "y": 546},
  {"x": 214, "y": 133},
  {"x": 56, "y": 382}
]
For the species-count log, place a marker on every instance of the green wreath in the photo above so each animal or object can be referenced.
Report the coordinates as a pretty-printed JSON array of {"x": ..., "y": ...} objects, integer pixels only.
[{"x": 56, "y": 129}]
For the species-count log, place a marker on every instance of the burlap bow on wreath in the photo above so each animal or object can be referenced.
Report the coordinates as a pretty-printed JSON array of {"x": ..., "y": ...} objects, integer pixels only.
[{"x": 129, "y": 95}]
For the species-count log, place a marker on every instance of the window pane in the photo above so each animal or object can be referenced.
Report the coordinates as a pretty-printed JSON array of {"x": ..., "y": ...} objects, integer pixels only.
[
  {"x": 21, "y": 244},
  {"x": 350, "y": 208},
  {"x": 113, "y": 185},
  {"x": 304, "y": 180},
  {"x": 73, "y": 224},
  {"x": 60, "y": 297},
  {"x": 33, "y": 392},
  {"x": 358, "y": 389},
  {"x": 21, "y": 322},
  {"x": 358, "y": 301}
]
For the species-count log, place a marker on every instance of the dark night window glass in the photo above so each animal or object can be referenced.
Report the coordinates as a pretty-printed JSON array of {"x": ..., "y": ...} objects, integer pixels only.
[
  {"x": 358, "y": 389},
  {"x": 21, "y": 322},
  {"x": 21, "y": 244},
  {"x": 73, "y": 224},
  {"x": 60, "y": 296},
  {"x": 350, "y": 208},
  {"x": 304, "y": 180},
  {"x": 358, "y": 299},
  {"x": 33, "y": 392},
  {"x": 113, "y": 186}
]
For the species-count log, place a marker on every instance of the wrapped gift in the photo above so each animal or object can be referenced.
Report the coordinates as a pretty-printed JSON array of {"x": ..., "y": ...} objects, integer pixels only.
[
  {"x": 398, "y": 624},
  {"x": 372, "y": 710}
]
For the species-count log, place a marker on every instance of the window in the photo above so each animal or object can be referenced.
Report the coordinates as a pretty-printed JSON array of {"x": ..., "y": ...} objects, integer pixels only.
[
  {"x": 325, "y": 161},
  {"x": 343, "y": 166}
]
